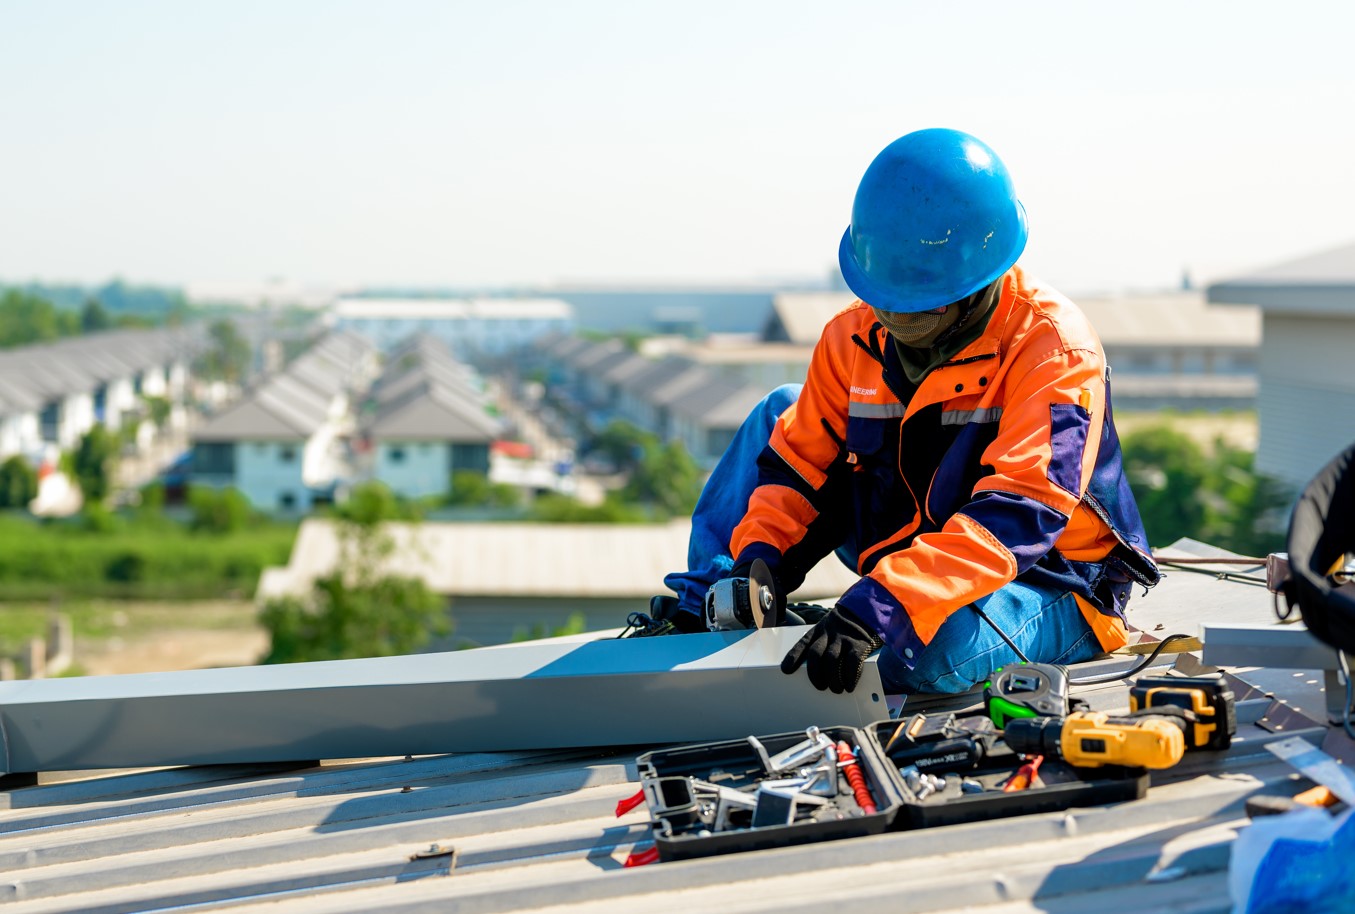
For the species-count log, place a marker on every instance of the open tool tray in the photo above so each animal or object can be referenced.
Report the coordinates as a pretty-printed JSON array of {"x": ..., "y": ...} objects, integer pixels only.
[
  {"x": 1064, "y": 787},
  {"x": 682, "y": 822}
]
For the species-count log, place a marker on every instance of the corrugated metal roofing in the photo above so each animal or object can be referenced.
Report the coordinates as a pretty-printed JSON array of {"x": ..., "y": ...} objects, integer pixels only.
[
  {"x": 801, "y": 316},
  {"x": 527, "y": 560},
  {"x": 1171, "y": 319},
  {"x": 494, "y": 832},
  {"x": 452, "y": 308},
  {"x": 1162, "y": 319},
  {"x": 1335, "y": 266}
]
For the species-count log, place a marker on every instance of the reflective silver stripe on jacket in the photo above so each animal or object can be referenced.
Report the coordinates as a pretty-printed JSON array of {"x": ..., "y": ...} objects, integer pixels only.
[
  {"x": 875, "y": 410},
  {"x": 966, "y": 416}
]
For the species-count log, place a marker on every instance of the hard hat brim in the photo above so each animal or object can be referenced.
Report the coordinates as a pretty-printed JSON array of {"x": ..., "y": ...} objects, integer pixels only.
[{"x": 898, "y": 301}]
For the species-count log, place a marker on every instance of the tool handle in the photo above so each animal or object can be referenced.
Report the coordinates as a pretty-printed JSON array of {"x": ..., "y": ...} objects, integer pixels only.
[
  {"x": 642, "y": 858},
  {"x": 629, "y": 803},
  {"x": 855, "y": 777}
]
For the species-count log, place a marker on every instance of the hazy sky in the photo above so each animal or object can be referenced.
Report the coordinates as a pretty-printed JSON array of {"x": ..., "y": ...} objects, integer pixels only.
[{"x": 502, "y": 142}]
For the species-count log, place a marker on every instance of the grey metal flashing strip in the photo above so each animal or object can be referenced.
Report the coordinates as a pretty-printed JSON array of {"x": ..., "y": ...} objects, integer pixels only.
[
  {"x": 875, "y": 410},
  {"x": 966, "y": 416},
  {"x": 610, "y": 692},
  {"x": 1280, "y": 646}
]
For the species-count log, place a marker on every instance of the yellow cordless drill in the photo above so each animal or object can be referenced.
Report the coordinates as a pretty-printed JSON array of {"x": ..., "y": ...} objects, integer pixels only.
[{"x": 1090, "y": 739}]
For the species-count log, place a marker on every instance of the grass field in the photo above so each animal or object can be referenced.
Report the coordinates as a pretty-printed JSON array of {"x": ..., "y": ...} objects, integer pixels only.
[
  {"x": 1237, "y": 428},
  {"x": 119, "y": 636},
  {"x": 155, "y": 559}
]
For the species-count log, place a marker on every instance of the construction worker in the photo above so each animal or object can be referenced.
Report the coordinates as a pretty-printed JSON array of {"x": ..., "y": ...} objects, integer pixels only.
[
  {"x": 952, "y": 442},
  {"x": 1321, "y": 542}
]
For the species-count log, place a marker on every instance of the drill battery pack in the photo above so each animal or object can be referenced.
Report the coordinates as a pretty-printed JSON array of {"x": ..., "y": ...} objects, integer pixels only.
[{"x": 1205, "y": 701}]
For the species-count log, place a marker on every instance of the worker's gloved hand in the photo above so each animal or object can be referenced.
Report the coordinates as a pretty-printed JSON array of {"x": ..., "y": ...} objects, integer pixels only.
[{"x": 833, "y": 652}]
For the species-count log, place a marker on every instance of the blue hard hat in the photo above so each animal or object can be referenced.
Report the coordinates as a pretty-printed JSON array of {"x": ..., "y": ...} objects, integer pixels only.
[{"x": 935, "y": 219}]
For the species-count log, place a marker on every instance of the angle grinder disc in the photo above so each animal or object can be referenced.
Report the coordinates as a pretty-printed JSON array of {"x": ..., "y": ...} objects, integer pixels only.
[{"x": 767, "y": 611}]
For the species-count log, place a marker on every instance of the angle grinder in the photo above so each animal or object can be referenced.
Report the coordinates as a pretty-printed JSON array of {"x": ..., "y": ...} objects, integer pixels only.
[{"x": 735, "y": 604}]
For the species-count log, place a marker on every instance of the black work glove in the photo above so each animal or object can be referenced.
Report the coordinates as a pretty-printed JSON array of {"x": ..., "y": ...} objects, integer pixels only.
[{"x": 833, "y": 652}]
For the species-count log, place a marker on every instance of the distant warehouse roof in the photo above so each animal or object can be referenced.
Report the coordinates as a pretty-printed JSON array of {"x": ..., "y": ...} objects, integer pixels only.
[
  {"x": 453, "y": 308},
  {"x": 1157, "y": 319},
  {"x": 1170, "y": 319},
  {"x": 562, "y": 560},
  {"x": 1322, "y": 283}
]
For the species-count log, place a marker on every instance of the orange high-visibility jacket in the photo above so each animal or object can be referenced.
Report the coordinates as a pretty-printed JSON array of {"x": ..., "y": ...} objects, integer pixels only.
[{"x": 1004, "y": 464}]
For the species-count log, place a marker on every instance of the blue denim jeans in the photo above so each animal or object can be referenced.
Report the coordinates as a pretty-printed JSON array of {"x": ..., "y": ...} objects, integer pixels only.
[{"x": 1046, "y": 624}]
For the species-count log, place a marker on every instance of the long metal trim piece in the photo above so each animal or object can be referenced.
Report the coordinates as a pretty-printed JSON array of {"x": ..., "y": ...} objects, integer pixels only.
[
  {"x": 547, "y": 695},
  {"x": 1282, "y": 646}
]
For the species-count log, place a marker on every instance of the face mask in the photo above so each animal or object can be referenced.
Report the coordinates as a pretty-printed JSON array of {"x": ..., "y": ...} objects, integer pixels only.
[{"x": 919, "y": 329}]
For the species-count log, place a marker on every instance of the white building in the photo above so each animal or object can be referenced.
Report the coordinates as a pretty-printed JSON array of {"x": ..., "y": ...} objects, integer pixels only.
[
  {"x": 427, "y": 418},
  {"x": 51, "y": 394},
  {"x": 471, "y": 328},
  {"x": 284, "y": 444},
  {"x": 1307, "y": 379}
]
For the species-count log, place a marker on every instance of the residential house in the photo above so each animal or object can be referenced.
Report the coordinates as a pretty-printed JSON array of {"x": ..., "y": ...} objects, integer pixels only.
[
  {"x": 705, "y": 417},
  {"x": 284, "y": 444},
  {"x": 57, "y": 391},
  {"x": 20, "y": 426},
  {"x": 427, "y": 418}
]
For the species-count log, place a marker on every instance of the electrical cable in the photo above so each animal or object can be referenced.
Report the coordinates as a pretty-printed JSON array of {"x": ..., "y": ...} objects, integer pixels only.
[
  {"x": 1220, "y": 575},
  {"x": 1343, "y": 660},
  {"x": 1000, "y": 633},
  {"x": 1143, "y": 664}
]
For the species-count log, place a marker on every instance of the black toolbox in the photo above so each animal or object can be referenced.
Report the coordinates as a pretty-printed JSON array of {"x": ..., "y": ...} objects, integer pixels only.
[
  {"x": 683, "y": 820},
  {"x": 1063, "y": 787},
  {"x": 683, "y": 816}
]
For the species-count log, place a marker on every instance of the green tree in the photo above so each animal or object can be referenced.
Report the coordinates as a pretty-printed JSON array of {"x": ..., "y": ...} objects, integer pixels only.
[
  {"x": 26, "y": 318},
  {"x": 94, "y": 317},
  {"x": 623, "y": 443},
  {"x": 218, "y": 510},
  {"x": 92, "y": 460},
  {"x": 1166, "y": 471},
  {"x": 471, "y": 488},
  {"x": 372, "y": 503},
  {"x": 357, "y": 610},
  {"x": 1213, "y": 495},
  {"x": 228, "y": 356},
  {"x": 561, "y": 509},
  {"x": 666, "y": 478},
  {"x": 1246, "y": 511},
  {"x": 159, "y": 409},
  {"x": 18, "y": 483}
]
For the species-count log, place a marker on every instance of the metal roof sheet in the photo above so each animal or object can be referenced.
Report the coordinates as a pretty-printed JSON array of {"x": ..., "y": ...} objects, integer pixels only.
[
  {"x": 453, "y": 308},
  {"x": 1157, "y": 319},
  {"x": 507, "y": 831},
  {"x": 1335, "y": 266},
  {"x": 801, "y": 316},
  {"x": 527, "y": 559}
]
